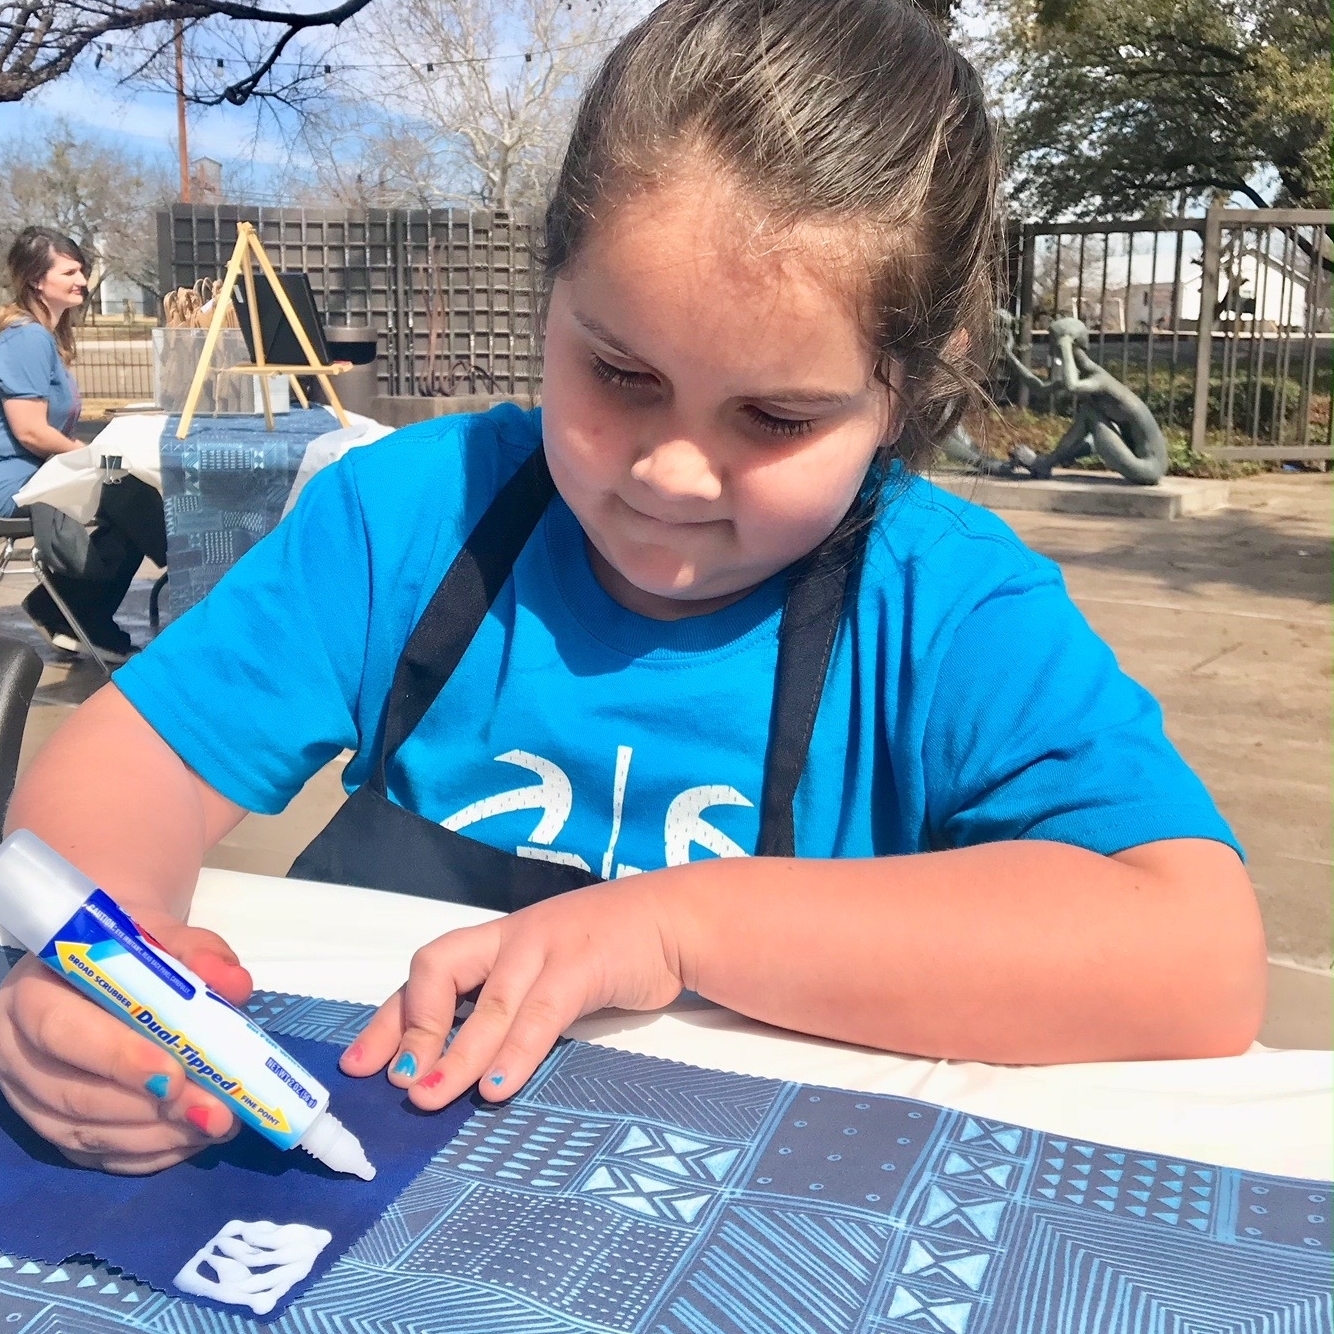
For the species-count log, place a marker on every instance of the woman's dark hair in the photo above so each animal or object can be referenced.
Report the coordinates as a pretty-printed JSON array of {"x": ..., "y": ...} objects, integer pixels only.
[
  {"x": 29, "y": 261},
  {"x": 827, "y": 111}
]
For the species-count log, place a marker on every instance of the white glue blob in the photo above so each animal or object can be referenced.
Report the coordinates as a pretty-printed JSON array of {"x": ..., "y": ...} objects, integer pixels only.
[{"x": 284, "y": 1252}]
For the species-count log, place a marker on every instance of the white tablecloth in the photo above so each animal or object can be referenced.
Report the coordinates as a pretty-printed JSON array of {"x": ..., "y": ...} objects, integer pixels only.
[{"x": 1267, "y": 1111}]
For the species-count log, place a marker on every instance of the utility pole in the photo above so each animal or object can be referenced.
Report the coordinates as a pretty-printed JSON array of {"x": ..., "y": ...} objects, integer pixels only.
[{"x": 180, "y": 112}]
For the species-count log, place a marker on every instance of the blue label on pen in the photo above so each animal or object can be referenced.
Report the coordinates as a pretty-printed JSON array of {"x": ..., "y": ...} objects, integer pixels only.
[{"x": 101, "y": 923}]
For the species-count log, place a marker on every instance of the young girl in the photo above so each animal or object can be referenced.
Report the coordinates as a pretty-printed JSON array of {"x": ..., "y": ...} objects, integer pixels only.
[{"x": 591, "y": 660}]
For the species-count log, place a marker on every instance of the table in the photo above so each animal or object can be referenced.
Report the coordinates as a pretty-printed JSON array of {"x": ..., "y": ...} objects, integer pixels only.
[
  {"x": 224, "y": 487},
  {"x": 1268, "y": 1111}
]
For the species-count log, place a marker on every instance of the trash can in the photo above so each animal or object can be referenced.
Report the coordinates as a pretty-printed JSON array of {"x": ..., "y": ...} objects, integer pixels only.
[{"x": 358, "y": 387}]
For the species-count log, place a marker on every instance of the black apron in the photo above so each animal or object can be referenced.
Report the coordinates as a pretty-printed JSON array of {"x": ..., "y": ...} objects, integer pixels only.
[{"x": 376, "y": 844}]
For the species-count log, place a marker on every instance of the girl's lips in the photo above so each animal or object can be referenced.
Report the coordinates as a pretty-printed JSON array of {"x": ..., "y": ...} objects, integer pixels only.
[{"x": 667, "y": 523}]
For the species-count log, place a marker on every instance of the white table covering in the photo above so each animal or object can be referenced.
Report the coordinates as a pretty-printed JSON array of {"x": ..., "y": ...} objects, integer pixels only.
[{"x": 1267, "y": 1111}]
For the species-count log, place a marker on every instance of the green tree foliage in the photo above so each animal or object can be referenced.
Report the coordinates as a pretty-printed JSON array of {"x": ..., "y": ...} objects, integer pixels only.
[{"x": 1122, "y": 106}]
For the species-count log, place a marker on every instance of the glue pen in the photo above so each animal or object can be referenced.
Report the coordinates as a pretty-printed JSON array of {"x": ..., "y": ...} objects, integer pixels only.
[{"x": 81, "y": 933}]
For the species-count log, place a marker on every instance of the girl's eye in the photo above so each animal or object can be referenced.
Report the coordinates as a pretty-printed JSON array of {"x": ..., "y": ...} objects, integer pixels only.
[
  {"x": 786, "y": 427},
  {"x": 610, "y": 374}
]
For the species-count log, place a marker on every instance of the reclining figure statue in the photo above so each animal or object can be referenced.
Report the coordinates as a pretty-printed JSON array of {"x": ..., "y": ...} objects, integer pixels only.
[{"x": 1111, "y": 420}]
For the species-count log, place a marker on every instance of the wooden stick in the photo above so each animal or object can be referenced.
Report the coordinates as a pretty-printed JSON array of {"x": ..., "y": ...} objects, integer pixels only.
[
  {"x": 257, "y": 333},
  {"x": 300, "y": 393}
]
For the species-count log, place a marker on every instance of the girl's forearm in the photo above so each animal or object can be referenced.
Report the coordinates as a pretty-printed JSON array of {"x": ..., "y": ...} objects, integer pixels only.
[
  {"x": 110, "y": 795},
  {"x": 1024, "y": 952}
]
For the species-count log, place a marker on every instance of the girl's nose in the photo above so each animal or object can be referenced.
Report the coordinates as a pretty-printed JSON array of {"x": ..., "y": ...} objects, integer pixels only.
[{"x": 679, "y": 470}]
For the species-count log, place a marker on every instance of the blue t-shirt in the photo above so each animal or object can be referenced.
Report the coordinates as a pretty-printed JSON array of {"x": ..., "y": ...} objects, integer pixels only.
[
  {"x": 30, "y": 367},
  {"x": 967, "y": 700}
]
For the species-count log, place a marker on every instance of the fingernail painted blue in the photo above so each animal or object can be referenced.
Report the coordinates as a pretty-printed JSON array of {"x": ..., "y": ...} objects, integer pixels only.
[
  {"x": 497, "y": 1079},
  {"x": 158, "y": 1085},
  {"x": 406, "y": 1065}
]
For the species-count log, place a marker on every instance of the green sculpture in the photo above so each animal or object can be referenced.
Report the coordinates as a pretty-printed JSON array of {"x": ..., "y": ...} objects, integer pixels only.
[{"x": 1111, "y": 420}]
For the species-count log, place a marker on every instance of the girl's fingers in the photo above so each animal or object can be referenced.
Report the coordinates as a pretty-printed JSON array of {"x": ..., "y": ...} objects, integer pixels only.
[
  {"x": 99, "y": 1140},
  {"x": 72, "y": 1093},
  {"x": 378, "y": 1041},
  {"x": 439, "y": 973},
  {"x": 129, "y": 1165},
  {"x": 410, "y": 1030},
  {"x": 204, "y": 951},
  {"x": 55, "y": 1020},
  {"x": 471, "y": 1058},
  {"x": 552, "y": 1005}
]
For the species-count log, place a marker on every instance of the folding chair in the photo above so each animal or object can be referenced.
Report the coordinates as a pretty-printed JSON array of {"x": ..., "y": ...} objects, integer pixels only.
[
  {"x": 20, "y": 669},
  {"x": 14, "y": 530}
]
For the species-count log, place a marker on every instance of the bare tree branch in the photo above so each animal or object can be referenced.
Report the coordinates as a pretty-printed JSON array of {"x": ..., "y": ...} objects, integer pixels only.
[{"x": 41, "y": 39}]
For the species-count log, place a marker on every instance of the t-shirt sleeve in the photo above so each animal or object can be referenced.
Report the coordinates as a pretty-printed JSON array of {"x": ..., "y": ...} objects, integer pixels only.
[
  {"x": 1035, "y": 732},
  {"x": 256, "y": 687},
  {"x": 27, "y": 362}
]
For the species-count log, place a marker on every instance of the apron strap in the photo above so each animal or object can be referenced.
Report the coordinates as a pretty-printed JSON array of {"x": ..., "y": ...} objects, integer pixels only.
[
  {"x": 459, "y": 606},
  {"x": 811, "y": 617}
]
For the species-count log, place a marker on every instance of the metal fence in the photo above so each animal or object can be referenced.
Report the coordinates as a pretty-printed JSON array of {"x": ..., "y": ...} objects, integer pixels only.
[
  {"x": 1222, "y": 324},
  {"x": 114, "y": 363},
  {"x": 451, "y": 294}
]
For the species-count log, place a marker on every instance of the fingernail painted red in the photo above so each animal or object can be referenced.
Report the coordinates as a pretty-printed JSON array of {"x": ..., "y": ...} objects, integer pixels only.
[
  {"x": 354, "y": 1052},
  {"x": 432, "y": 1079},
  {"x": 198, "y": 1117}
]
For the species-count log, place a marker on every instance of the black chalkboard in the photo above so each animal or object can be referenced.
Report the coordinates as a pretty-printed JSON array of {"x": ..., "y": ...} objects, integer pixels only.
[{"x": 280, "y": 341}]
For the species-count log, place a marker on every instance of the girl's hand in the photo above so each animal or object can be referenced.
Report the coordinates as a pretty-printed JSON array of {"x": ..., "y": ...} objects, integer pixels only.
[
  {"x": 539, "y": 970},
  {"x": 104, "y": 1095}
]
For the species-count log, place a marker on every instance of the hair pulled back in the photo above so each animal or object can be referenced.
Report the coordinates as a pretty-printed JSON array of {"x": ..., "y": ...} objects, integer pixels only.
[
  {"x": 29, "y": 261},
  {"x": 828, "y": 111}
]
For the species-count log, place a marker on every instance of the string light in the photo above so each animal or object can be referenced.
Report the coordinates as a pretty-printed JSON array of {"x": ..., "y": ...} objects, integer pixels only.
[{"x": 429, "y": 66}]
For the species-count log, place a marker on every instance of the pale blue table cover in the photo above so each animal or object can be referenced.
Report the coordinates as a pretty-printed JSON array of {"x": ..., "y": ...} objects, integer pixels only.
[
  {"x": 622, "y": 1193},
  {"x": 223, "y": 488}
]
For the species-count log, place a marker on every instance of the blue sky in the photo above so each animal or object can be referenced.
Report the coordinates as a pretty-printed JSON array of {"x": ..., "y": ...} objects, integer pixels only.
[{"x": 97, "y": 106}]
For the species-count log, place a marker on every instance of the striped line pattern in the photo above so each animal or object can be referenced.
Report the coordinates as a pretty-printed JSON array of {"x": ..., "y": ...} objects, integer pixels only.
[{"x": 622, "y": 1193}]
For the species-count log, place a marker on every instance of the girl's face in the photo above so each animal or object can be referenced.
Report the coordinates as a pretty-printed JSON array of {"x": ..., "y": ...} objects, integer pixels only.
[
  {"x": 709, "y": 406},
  {"x": 64, "y": 286}
]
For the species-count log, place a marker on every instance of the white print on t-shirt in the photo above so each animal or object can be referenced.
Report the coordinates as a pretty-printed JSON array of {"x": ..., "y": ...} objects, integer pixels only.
[{"x": 684, "y": 828}]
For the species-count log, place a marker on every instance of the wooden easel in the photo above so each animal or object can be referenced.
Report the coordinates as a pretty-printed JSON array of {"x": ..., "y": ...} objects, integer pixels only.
[{"x": 248, "y": 252}]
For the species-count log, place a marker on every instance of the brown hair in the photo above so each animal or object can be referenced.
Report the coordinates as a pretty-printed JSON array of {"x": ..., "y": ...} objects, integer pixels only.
[
  {"x": 830, "y": 111},
  {"x": 29, "y": 261}
]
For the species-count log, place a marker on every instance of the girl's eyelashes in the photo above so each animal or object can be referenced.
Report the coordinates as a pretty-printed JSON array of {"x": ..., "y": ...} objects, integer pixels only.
[
  {"x": 785, "y": 427},
  {"x": 623, "y": 379}
]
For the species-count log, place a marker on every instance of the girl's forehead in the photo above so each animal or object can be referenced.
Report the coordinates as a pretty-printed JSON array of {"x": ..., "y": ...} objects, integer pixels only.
[
  {"x": 688, "y": 294},
  {"x": 698, "y": 228}
]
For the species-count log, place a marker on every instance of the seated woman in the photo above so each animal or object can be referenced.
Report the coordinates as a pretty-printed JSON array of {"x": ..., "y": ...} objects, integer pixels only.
[{"x": 90, "y": 566}]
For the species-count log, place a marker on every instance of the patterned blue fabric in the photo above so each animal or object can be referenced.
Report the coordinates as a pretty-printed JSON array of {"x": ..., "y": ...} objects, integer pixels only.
[
  {"x": 623, "y": 1193},
  {"x": 223, "y": 488}
]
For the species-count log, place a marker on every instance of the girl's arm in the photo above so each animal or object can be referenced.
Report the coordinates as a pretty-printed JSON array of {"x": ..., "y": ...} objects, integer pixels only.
[
  {"x": 110, "y": 795},
  {"x": 27, "y": 419},
  {"x": 1020, "y": 952}
]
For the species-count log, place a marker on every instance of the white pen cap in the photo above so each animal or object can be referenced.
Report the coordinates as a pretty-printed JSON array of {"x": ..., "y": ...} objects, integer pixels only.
[{"x": 39, "y": 890}]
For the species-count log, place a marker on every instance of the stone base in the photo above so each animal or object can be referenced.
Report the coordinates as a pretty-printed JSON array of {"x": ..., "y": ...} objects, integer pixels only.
[{"x": 1078, "y": 492}]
